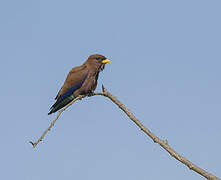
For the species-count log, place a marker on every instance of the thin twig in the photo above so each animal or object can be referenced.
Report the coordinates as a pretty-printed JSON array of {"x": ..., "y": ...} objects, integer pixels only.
[
  {"x": 34, "y": 144},
  {"x": 163, "y": 143}
]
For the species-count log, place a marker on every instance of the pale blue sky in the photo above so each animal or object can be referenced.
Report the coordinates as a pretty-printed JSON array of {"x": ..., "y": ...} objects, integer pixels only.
[{"x": 165, "y": 68}]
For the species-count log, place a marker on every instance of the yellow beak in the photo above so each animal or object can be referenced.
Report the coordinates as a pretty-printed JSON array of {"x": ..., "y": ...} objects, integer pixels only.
[{"x": 106, "y": 61}]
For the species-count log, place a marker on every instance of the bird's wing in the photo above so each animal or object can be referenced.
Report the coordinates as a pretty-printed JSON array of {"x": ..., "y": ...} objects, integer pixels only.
[{"x": 74, "y": 80}]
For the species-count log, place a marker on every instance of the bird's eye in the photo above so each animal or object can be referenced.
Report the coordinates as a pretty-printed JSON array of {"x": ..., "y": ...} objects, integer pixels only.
[{"x": 97, "y": 58}]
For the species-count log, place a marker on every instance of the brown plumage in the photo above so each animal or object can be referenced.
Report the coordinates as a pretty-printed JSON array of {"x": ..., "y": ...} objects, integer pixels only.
[{"x": 81, "y": 80}]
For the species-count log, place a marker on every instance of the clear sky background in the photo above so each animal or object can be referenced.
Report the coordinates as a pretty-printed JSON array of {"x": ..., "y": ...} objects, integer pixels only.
[{"x": 165, "y": 68}]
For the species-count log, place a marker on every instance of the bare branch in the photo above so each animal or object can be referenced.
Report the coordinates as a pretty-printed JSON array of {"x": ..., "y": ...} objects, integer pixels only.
[
  {"x": 163, "y": 143},
  {"x": 34, "y": 144}
]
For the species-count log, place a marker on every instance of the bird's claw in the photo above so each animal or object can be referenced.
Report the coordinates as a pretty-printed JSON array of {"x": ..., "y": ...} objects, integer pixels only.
[{"x": 90, "y": 94}]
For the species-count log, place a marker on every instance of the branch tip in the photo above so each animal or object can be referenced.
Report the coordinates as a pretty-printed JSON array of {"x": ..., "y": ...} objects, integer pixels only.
[
  {"x": 33, "y": 144},
  {"x": 102, "y": 87}
]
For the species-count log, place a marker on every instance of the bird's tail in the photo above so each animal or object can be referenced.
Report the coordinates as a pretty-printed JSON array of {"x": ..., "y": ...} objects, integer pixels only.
[{"x": 58, "y": 105}]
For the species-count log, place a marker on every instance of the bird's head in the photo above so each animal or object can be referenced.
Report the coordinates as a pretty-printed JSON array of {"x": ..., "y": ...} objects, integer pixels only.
[{"x": 97, "y": 61}]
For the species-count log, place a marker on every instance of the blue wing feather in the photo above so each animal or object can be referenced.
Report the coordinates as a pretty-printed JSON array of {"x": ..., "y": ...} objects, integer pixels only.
[
  {"x": 71, "y": 90},
  {"x": 66, "y": 97}
]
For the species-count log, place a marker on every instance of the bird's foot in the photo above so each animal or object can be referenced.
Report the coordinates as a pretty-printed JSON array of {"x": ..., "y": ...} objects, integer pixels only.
[{"x": 90, "y": 94}]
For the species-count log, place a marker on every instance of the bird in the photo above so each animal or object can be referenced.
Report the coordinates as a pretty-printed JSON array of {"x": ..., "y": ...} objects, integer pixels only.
[{"x": 81, "y": 80}]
